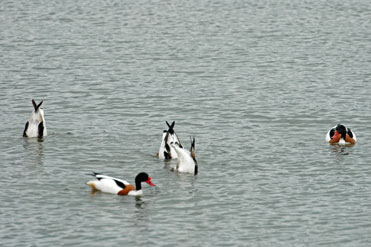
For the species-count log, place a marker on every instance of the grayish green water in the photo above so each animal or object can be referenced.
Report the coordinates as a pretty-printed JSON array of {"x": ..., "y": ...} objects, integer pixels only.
[{"x": 258, "y": 83}]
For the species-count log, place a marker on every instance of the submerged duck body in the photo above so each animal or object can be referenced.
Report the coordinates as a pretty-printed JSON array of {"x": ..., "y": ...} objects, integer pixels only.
[
  {"x": 340, "y": 134},
  {"x": 117, "y": 186}
]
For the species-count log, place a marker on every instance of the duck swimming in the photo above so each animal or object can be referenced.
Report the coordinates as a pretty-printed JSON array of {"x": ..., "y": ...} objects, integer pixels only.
[
  {"x": 341, "y": 135},
  {"x": 119, "y": 187}
]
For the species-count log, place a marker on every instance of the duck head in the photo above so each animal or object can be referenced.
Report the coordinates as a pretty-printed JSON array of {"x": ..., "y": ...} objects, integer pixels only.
[
  {"x": 142, "y": 177},
  {"x": 340, "y": 129}
]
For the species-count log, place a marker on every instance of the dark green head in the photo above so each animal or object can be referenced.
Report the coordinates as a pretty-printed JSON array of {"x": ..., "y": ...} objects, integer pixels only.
[{"x": 341, "y": 130}]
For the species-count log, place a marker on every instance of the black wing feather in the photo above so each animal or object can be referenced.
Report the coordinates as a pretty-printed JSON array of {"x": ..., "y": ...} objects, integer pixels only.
[
  {"x": 41, "y": 129},
  {"x": 25, "y": 129},
  {"x": 120, "y": 184},
  {"x": 350, "y": 133},
  {"x": 167, "y": 155},
  {"x": 332, "y": 132}
]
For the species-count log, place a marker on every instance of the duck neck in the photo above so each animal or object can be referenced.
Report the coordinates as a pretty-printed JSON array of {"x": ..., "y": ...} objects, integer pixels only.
[{"x": 138, "y": 185}]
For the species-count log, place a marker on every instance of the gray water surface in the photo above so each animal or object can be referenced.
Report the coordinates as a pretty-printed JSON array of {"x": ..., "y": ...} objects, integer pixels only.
[{"x": 258, "y": 83}]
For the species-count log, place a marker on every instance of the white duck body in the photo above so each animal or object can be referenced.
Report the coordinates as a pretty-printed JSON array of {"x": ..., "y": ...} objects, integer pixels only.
[
  {"x": 36, "y": 126},
  {"x": 107, "y": 184},
  {"x": 186, "y": 160},
  {"x": 341, "y": 141}
]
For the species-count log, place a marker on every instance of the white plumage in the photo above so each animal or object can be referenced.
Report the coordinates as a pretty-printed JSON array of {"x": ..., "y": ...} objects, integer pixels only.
[
  {"x": 187, "y": 162},
  {"x": 107, "y": 184}
]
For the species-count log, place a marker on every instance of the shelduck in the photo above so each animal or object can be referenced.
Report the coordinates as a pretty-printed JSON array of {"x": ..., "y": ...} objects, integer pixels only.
[
  {"x": 120, "y": 187},
  {"x": 35, "y": 126},
  {"x": 341, "y": 135},
  {"x": 187, "y": 162},
  {"x": 169, "y": 136}
]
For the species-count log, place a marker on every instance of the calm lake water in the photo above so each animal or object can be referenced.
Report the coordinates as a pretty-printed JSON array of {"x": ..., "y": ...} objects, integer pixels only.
[{"x": 258, "y": 83}]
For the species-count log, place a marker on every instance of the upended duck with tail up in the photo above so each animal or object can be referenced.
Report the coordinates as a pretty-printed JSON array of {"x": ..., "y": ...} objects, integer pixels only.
[
  {"x": 35, "y": 126},
  {"x": 187, "y": 162},
  {"x": 169, "y": 136}
]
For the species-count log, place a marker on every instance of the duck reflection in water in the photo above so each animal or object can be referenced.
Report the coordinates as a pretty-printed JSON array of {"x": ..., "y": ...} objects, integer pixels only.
[{"x": 341, "y": 149}]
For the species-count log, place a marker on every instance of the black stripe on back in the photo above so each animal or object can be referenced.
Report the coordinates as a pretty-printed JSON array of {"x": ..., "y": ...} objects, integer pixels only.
[
  {"x": 350, "y": 133},
  {"x": 120, "y": 184},
  {"x": 41, "y": 129},
  {"x": 167, "y": 155}
]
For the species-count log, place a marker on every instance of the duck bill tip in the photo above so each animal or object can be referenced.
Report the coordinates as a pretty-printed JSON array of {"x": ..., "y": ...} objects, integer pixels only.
[{"x": 150, "y": 182}]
